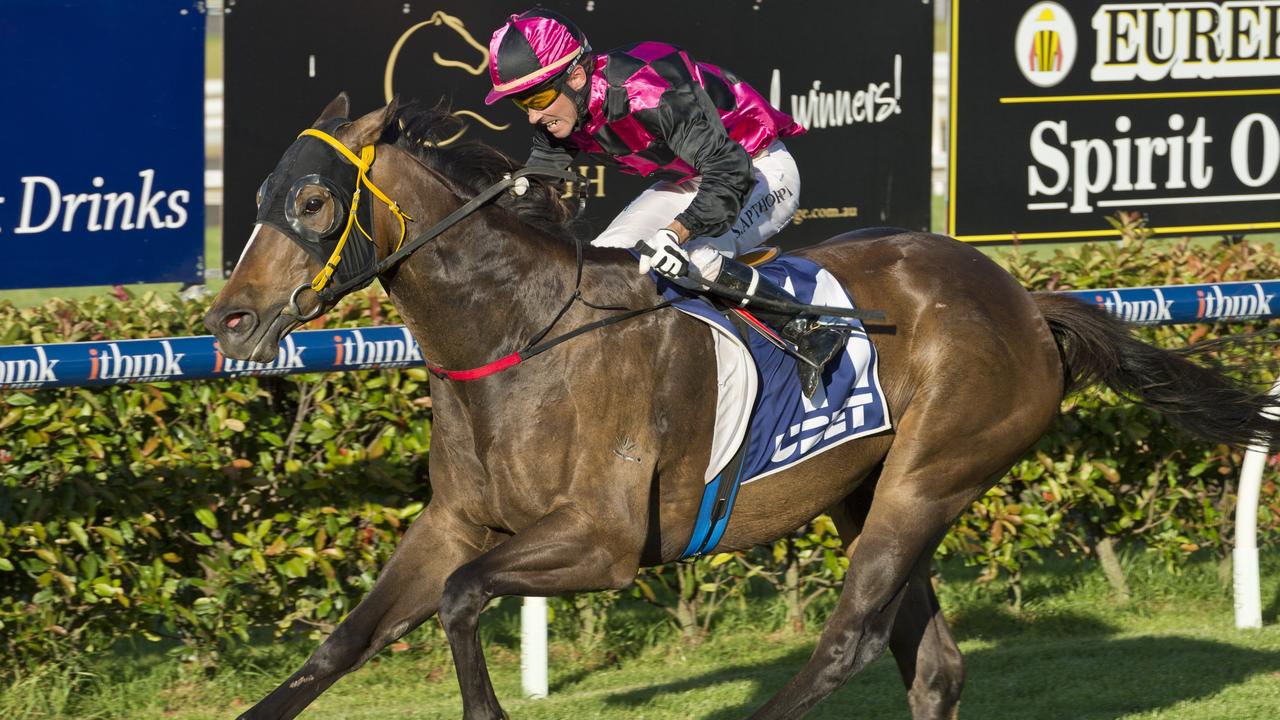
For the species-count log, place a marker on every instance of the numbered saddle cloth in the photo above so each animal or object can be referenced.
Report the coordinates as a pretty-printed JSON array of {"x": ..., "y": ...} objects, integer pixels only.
[{"x": 759, "y": 401}]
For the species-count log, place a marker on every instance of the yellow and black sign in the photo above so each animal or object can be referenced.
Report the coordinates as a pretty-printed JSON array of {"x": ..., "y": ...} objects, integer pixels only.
[{"x": 1063, "y": 113}]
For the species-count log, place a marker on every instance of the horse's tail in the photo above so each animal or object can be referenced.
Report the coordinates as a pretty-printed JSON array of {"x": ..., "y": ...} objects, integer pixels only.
[{"x": 1097, "y": 347}]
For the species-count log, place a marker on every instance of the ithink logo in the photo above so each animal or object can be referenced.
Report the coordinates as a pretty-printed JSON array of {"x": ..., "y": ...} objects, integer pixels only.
[
  {"x": 1215, "y": 304},
  {"x": 289, "y": 360},
  {"x": 355, "y": 351},
  {"x": 1137, "y": 311},
  {"x": 112, "y": 364},
  {"x": 28, "y": 373}
]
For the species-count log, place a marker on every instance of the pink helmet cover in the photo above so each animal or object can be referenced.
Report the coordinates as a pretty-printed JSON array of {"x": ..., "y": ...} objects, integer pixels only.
[{"x": 530, "y": 49}]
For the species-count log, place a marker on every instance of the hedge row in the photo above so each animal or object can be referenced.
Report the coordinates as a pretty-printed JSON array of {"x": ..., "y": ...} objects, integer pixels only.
[
  {"x": 197, "y": 510},
  {"x": 204, "y": 511}
]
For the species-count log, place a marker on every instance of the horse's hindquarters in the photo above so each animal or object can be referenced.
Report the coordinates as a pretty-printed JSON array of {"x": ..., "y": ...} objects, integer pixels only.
[{"x": 970, "y": 372}]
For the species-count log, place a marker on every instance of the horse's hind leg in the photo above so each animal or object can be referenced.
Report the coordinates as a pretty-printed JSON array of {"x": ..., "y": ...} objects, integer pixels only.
[
  {"x": 407, "y": 592},
  {"x": 927, "y": 480},
  {"x": 926, "y": 652},
  {"x": 903, "y": 526},
  {"x": 927, "y": 655}
]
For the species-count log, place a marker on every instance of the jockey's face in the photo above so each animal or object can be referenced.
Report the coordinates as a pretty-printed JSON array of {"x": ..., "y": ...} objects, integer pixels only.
[{"x": 560, "y": 117}]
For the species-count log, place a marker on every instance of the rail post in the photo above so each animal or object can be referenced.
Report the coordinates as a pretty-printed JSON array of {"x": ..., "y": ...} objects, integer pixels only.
[
  {"x": 1244, "y": 557},
  {"x": 533, "y": 647}
]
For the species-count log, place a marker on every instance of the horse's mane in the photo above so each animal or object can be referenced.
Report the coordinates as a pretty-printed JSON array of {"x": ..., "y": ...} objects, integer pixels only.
[{"x": 417, "y": 128}]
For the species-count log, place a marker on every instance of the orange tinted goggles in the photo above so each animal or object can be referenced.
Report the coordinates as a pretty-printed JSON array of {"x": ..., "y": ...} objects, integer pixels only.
[{"x": 538, "y": 99}]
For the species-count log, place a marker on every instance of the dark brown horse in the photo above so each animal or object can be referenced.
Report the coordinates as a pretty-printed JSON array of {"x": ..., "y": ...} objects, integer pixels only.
[{"x": 535, "y": 485}]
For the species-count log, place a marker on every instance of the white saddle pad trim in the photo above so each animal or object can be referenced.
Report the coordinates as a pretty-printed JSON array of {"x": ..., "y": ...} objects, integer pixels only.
[{"x": 736, "y": 388}]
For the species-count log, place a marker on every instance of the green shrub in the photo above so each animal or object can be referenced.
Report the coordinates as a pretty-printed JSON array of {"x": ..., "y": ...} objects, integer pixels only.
[
  {"x": 197, "y": 510},
  {"x": 1108, "y": 468}
]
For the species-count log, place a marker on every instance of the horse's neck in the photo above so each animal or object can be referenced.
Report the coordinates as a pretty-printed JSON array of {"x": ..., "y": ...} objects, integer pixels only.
[{"x": 484, "y": 287}]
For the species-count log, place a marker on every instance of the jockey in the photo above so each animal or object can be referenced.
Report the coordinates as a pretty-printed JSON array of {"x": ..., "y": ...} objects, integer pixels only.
[{"x": 651, "y": 108}]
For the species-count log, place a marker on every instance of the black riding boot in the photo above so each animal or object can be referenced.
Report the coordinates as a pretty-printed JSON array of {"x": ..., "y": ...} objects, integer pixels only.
[{"x": 816, "y": 344}]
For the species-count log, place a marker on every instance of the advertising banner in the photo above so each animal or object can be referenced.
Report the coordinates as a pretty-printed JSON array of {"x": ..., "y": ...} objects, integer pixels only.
[
  {"x": 857, "y": 75},
  {"x": 1064, "y": 113},
  {"x": 103, "y": 173},
  {"x": 198, "y": 358}
]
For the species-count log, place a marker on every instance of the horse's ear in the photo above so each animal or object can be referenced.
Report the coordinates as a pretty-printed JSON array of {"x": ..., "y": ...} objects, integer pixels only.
[
  {"x": 339, "y": 107},
  {"x": 368, "y": 129}
]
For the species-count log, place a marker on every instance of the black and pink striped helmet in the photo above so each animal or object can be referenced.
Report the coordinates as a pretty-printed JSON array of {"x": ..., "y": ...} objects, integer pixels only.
[{"x": 531, "y": 49}]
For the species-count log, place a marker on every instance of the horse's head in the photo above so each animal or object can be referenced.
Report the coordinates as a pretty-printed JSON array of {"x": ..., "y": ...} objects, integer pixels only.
[{"x": 306, "y": 237}]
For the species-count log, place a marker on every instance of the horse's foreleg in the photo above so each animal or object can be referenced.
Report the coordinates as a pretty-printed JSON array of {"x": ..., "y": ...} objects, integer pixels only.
[
  {"x": 406, "y": 593},
  {"x": 563, "y": 552},
  {"x": 902, "y": 527},
  {"x": 926, "y": 652}
]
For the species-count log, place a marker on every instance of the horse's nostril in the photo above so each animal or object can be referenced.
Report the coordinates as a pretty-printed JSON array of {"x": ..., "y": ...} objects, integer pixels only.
[{"x": 239, "y": 321}]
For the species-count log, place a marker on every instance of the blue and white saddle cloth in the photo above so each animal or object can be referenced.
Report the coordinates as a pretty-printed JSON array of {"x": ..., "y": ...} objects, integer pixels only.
[{"x": 759, "y": 402}]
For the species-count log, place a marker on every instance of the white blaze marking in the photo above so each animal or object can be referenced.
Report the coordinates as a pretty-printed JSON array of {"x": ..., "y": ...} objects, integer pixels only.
[{"x": 256, "y": 229}]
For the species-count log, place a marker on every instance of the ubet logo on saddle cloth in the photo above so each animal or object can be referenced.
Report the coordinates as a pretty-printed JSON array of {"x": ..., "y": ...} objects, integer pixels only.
[{"x": 802, "y": 436}]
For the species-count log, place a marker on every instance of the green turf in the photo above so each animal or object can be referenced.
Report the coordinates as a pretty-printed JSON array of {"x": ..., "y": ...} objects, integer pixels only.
[{"x": 1071, "y": 652}]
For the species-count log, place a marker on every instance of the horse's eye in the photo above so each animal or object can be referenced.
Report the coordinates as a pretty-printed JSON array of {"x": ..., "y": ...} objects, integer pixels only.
[{"x": 313, "y": 205}]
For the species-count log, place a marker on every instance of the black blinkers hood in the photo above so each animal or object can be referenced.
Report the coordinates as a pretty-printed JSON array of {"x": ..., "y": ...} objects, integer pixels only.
[{"x": 310, "y": 161}]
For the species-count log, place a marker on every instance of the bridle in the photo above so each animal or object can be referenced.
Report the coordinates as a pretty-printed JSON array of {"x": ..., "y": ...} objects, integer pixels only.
[
  {"x": 330, "y": 294},
  {"x": 362, "y": 163}
]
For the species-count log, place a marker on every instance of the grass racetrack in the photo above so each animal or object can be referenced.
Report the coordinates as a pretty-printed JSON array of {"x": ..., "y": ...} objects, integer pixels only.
[{"x": 1071, "y": 652}]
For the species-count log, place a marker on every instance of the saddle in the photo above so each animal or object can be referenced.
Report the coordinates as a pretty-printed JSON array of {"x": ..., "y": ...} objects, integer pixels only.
[{"x": 764, "y": 424}]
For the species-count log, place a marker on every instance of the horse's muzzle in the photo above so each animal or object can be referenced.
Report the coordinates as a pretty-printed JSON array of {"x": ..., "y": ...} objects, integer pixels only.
[{"x": 240, "y": 335}]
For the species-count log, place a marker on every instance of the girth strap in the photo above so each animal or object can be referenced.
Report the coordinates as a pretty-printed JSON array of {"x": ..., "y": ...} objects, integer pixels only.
[{"x": 718, "y": 496}]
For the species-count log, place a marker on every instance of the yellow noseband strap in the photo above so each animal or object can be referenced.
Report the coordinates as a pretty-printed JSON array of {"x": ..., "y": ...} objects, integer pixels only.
[{"x": 363, "y": 162}]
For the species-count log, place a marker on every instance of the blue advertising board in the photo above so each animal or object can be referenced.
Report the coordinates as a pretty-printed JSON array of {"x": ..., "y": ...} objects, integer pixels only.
[
  {"x": 1173, "y": 304},
  {"x": 115, "y": 362},
  {"x": 102, "y": 180}
]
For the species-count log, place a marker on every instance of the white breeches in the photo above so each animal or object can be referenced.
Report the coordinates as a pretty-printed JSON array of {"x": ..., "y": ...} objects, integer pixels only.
[{"x": 768, "y": 209}]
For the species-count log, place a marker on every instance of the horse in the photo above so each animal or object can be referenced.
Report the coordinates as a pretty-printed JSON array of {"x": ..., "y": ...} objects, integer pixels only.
[{"x": 571, "y": 470}]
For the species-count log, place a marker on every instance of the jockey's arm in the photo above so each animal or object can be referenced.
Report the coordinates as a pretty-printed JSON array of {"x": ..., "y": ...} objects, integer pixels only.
[
  {"x": 682, "y": 233},
  {"x": 693, "y": 130}
]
